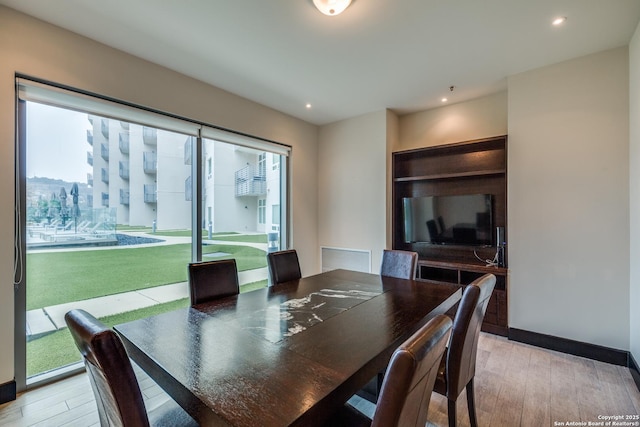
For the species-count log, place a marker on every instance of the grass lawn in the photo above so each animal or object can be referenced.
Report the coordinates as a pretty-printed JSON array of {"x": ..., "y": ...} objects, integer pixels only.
[
  {"x": 57, "y": 277},
  {"x": 60, "y": 277},
  {"x": 230, "y": 236},
  {"x": 57, "y": 349},
  {"x": 247, "y": 238}
]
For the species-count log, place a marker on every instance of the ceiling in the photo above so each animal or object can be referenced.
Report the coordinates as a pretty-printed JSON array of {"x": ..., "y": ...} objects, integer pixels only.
[{"x": 397, "y": 54}]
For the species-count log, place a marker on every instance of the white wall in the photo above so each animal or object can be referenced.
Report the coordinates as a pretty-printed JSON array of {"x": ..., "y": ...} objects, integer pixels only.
[
  {"x": 634, "y": 175},
  {"x": 352, "y": 184},
  {"x": 38, "y": 49},
  {"x": 479, "y": 118},
  {"x": 568, "y": 199}
]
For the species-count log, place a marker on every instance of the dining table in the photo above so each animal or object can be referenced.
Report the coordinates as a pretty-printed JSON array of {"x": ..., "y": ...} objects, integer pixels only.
[{"x": 285, "y": 355}]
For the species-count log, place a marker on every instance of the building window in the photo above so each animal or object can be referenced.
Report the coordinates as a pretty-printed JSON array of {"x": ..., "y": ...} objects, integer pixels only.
[
  {"x": 144, "y": 182},
  {"x": 262, "y": 211}
]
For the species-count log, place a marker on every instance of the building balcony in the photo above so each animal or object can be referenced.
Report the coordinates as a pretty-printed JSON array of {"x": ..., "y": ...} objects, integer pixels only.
[
  {"x": 124, "y": 197},
  {"x": 104, "y": 127},
  {"x": 104, "y": 151},
  {"x": 123, "y": 142},
  {"x": 150, "y": 136},
  {"x": 150, "y": 193},
  {"x": 251, "y": 181},
  {"x": 104, "y": 175},
  {"x": 149, "y": 162},
  {"x": 90, "y": 137},
  {"x": 123, "y": 170},
  {"x": 90, "y": 158}
]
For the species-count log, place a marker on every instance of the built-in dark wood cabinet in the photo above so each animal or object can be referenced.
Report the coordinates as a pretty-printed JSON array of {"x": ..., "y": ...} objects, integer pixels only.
[{"x": 472, "y": 167}]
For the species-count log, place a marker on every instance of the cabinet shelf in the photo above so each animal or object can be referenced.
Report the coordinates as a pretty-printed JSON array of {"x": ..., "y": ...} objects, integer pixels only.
[
  {"x": 450, "y": 175},
  {"x": 454, "y": 265}
]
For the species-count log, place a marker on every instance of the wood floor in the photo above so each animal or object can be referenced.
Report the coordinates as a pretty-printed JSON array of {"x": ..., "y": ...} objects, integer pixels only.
[{"x": 516, "y": 385}]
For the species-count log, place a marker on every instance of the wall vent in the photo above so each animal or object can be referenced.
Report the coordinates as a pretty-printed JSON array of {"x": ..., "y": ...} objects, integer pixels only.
[{"x": 349, "y": 259}]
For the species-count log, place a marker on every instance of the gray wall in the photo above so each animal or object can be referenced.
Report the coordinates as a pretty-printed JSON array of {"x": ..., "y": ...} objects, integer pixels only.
[
  {"x": 568, "y": 199},
  {"x": 568, "y": 189},
  {"x": 352, "y": 185}
]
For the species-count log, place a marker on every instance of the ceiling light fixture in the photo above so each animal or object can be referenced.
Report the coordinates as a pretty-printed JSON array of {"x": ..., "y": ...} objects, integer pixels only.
[
  {"x": 331, "y": 7},
  {"x": 559, "y": 21}
]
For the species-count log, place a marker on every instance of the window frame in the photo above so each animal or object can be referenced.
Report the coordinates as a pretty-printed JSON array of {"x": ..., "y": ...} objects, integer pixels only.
[{"x": 28, "y": 88}]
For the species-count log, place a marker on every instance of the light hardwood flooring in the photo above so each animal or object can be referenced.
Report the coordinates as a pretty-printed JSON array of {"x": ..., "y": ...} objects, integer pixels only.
[{"x": 516, "y": 385}]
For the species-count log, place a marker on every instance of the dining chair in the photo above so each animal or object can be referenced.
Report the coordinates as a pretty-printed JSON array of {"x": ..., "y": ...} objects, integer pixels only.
[
  {"x": 210, "y": 280},
  {"x": 408, "y": 382},
  {"x": 458, "y": 365},
  {"x": 115, "y": 386},
  {"x": 283, "y": 266},
  {"x": 399, "y": 264}
]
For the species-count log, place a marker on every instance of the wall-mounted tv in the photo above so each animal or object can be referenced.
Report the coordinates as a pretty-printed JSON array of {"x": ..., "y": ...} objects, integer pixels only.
[{"x": 454, "y": 220}]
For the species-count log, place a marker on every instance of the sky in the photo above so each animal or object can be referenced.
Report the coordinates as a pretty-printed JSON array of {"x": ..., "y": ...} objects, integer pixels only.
[{"x": 57, "y": 143}]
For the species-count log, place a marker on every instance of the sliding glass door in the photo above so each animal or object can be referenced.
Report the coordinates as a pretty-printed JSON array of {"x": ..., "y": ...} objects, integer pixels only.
[{"x": 112, "y": 217}]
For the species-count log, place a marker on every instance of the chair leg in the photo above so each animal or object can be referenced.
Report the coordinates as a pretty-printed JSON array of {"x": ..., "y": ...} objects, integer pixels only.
[
  {"x": 451, "y": 409},
  {"x": 471, "y": 404}
]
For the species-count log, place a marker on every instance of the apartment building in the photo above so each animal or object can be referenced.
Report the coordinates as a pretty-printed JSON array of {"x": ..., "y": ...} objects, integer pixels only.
[{"x": 145, "y": 174}]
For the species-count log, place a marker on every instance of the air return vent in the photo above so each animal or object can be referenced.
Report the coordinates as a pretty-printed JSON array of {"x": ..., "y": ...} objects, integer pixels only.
[{"x": 349, "y": 259}]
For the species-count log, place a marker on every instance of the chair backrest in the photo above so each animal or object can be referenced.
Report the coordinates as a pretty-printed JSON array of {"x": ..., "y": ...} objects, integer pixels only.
[
  {"x": 410, "y": 376},
  {"x": 284, "y": 266},
  {"x": 399, "y": 264},
  {"x": 211, "y": 280},
  {"x": 110, "y": 372},
  {"x": 461, "y": 354}
]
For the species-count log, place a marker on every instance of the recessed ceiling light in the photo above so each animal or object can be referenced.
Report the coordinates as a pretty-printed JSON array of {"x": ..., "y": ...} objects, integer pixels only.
[
  {"x": 308, "y": 106},
  {"x": 559, "y": 20},
  {"x": 444, "y": 99}
]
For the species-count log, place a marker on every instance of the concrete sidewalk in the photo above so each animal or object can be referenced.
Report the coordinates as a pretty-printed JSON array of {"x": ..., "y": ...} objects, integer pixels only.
[{"x": 49, "y": 319}]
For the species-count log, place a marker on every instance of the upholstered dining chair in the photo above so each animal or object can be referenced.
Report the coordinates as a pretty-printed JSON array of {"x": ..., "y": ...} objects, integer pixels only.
[
  {"x": 458, "y": 365},
  {"x": 283, "y": 266},
  {"x": 113, "y": 381},
  {"x": 210, "y": 280},
  {"x": 408, "y": 382},
  {"x": 399, "y": 264}
]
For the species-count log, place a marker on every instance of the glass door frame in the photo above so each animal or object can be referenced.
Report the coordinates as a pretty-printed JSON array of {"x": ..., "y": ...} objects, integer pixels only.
[{"x": 20, "y": 338}]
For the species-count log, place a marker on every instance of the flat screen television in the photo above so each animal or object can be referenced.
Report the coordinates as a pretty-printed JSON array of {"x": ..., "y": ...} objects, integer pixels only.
[{"x": 449, "y": 220}]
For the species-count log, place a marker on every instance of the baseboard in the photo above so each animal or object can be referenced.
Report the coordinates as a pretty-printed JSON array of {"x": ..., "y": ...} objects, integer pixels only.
[
  {"x": 577, "y": 348},
  {"x": 7, "y": 392},
  {"x": 635, "y": 370}
]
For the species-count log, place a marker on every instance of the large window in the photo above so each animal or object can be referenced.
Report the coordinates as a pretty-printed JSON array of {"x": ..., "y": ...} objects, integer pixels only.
[{"x": 111, "y": 212}]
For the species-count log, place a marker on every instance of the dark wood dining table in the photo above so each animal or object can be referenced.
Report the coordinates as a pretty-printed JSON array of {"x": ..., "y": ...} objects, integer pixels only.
[{"x": 287, "y": 355}]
